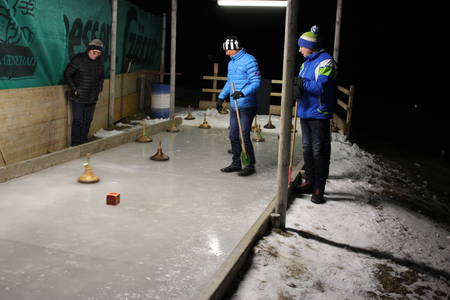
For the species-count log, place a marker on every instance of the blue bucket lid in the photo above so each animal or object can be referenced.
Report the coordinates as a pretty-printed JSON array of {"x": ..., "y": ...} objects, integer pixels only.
[{"x": 160, "y": 88}]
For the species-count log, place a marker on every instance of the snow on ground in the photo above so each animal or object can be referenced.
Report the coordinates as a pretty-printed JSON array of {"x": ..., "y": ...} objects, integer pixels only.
[
  {"x": 213, "y": 118},
  {"x": 359, "y": 245},
  {"x": 217, "y": 120},
  {"x": 102, "y": 133},
  {"x": 362, "y": 244}
]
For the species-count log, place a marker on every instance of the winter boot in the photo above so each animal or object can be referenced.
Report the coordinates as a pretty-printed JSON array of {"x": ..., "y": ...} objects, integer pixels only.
[
  {"x": 248, "y": 170},
  {"x": 231, "y": 168},
  {"x": 305, "y": 188},
  {"x": 317, "y": 197}
]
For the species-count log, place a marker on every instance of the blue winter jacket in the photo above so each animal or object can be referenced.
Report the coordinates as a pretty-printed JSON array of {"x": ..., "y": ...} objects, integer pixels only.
[
  {"x": 318, "y": 90},
  {"x": 243, "y": 71}
]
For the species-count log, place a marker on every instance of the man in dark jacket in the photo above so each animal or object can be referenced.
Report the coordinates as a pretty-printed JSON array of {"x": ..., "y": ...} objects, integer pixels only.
[
  {"x": 84, "y": 75},
  {"x": 243, "y": 72}
]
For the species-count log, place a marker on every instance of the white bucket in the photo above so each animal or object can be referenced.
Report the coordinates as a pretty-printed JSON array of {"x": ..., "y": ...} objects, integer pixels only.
[{"x": 160, "y": 107}]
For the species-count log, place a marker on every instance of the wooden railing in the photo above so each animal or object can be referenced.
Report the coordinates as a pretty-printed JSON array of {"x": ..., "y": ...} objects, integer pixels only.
[
  {"x": 204, "y": 104},
  {"x": 337, "y": 123}
]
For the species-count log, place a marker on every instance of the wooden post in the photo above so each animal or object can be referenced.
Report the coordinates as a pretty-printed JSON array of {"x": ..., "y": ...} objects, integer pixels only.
[
  {"x": 286, "y": 109},
  {"x": 112, "y": 76},
  {"x": 275, "y": 220},
  {"x": 3, "y": 155},
  {"x": 337, "y": 30},
  {"x": 173, "y": 58},
  {"x": 163, "y": 50},
  {"x": 122, "y": 104},
  {"x": 216, "y": 73},
  {"x": 69, "y": 119},
  {"x": 348, "y": 121},
  {"x": 142, "y": 91}
]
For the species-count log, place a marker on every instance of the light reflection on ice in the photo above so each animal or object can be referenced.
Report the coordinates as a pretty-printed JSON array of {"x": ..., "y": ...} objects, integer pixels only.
[{"x": 214, "y": 245}]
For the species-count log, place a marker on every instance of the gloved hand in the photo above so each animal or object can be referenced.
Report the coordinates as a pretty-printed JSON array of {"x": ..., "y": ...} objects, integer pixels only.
[
  {"x": 298, "y": 81},
  {"x": 237, "y": 94},
  {"x": 297, "y": 87},
  {"x": 219, "y": 104}
]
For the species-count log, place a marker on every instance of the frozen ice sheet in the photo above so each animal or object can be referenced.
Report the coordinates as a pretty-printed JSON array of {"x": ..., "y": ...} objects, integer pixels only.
[{"x": 176, "y": 223}]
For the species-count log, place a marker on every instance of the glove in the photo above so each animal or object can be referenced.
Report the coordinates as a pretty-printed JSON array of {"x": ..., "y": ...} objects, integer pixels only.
[
  {"x": 296, "y": 92},
  {"x": 298, "y": 81},
  {"x": 238, "y": 94},
  {"x": 219, "y": 104},
  {"x": 297, "y": 87}
]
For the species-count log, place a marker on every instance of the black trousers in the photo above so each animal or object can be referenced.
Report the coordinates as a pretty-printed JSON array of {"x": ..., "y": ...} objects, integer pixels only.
[
  {"x": 316, "y": 140},
  {"x": 82, "y": 115}
]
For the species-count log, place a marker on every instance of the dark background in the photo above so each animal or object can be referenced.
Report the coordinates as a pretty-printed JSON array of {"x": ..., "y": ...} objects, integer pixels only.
[{"x": 381, "y": 53}]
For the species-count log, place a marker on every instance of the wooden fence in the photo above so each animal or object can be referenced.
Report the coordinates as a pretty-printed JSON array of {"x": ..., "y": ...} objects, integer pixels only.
[
  {"x": 204, "y": 104},
  {"x": 338, "y": 124}
]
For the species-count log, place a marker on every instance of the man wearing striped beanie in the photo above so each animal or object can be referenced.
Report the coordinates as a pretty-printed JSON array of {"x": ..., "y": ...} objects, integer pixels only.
[
  {"x": 243, "y": 72},
  {"x": 314, "y": 88}
]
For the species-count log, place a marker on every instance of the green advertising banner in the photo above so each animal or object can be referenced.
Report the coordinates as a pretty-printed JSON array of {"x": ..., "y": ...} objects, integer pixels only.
[
  {"x": 139, "y": 38},
  {"x": 38, "y": 38}
]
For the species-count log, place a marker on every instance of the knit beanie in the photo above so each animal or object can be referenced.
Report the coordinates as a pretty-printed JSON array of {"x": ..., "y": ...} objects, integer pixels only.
[
  {"x": 310, "y": 39},
  {"x": 231, "y": 43},
  {"x": 95, "y": 44}
]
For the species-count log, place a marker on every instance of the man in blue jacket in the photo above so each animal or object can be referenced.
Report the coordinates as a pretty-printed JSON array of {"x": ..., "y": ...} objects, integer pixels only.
[
  {"x": 243, "y": 71},
  {"x": 314, "y": 89}
]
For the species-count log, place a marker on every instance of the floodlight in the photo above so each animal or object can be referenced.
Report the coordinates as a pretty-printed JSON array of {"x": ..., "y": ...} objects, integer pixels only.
[{"x": 276, "y": 3}]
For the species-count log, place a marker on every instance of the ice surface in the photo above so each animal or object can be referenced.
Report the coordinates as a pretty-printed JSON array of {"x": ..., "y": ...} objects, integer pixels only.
[{"x": 176, "y": 223}]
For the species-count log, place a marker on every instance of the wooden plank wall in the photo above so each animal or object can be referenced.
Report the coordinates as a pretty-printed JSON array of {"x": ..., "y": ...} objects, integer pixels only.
[{"x": 34, "y": 121}]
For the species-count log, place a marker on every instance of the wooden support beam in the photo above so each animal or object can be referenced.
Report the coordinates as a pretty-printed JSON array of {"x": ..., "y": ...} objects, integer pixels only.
[
  {"x": 3, "y": 156},
  {"x": 344, "y": 90},
  {"x": 112, "y": 72},
  {"x": 206, "y": 90},
  {"x": 216, "y": 72},
  {"x": 206, "y": 77},
  {"x": 286, "y": 109},
  {"x": 350, "y": 110},
  {"x": 340, "y": 124},
  {"x": 342, "y": 104}
]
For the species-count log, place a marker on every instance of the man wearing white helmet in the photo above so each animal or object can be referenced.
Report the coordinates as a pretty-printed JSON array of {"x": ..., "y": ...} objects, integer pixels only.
[{"x": 243, "y": 72}]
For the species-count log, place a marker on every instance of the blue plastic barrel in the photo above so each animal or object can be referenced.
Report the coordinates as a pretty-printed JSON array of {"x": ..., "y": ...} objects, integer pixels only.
[{"x": 160, "y": 107}]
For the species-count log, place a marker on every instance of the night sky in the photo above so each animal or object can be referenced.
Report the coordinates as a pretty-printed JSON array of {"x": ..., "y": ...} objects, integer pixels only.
[{"x": 379, "y": 53}]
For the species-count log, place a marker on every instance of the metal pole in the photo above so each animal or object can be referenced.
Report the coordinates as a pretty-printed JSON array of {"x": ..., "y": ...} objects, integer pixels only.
[
  {"x": 286, "y": 109},
  {"x": 112, "y": 76},
  {"x": 337, "y": 30},
  {"x": 173, "y": 48},
  {"x": 163, "y": 49}
]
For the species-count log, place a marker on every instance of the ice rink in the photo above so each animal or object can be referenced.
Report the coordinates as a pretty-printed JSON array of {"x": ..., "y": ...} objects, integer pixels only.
[{"x": 175, "y": 225}]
